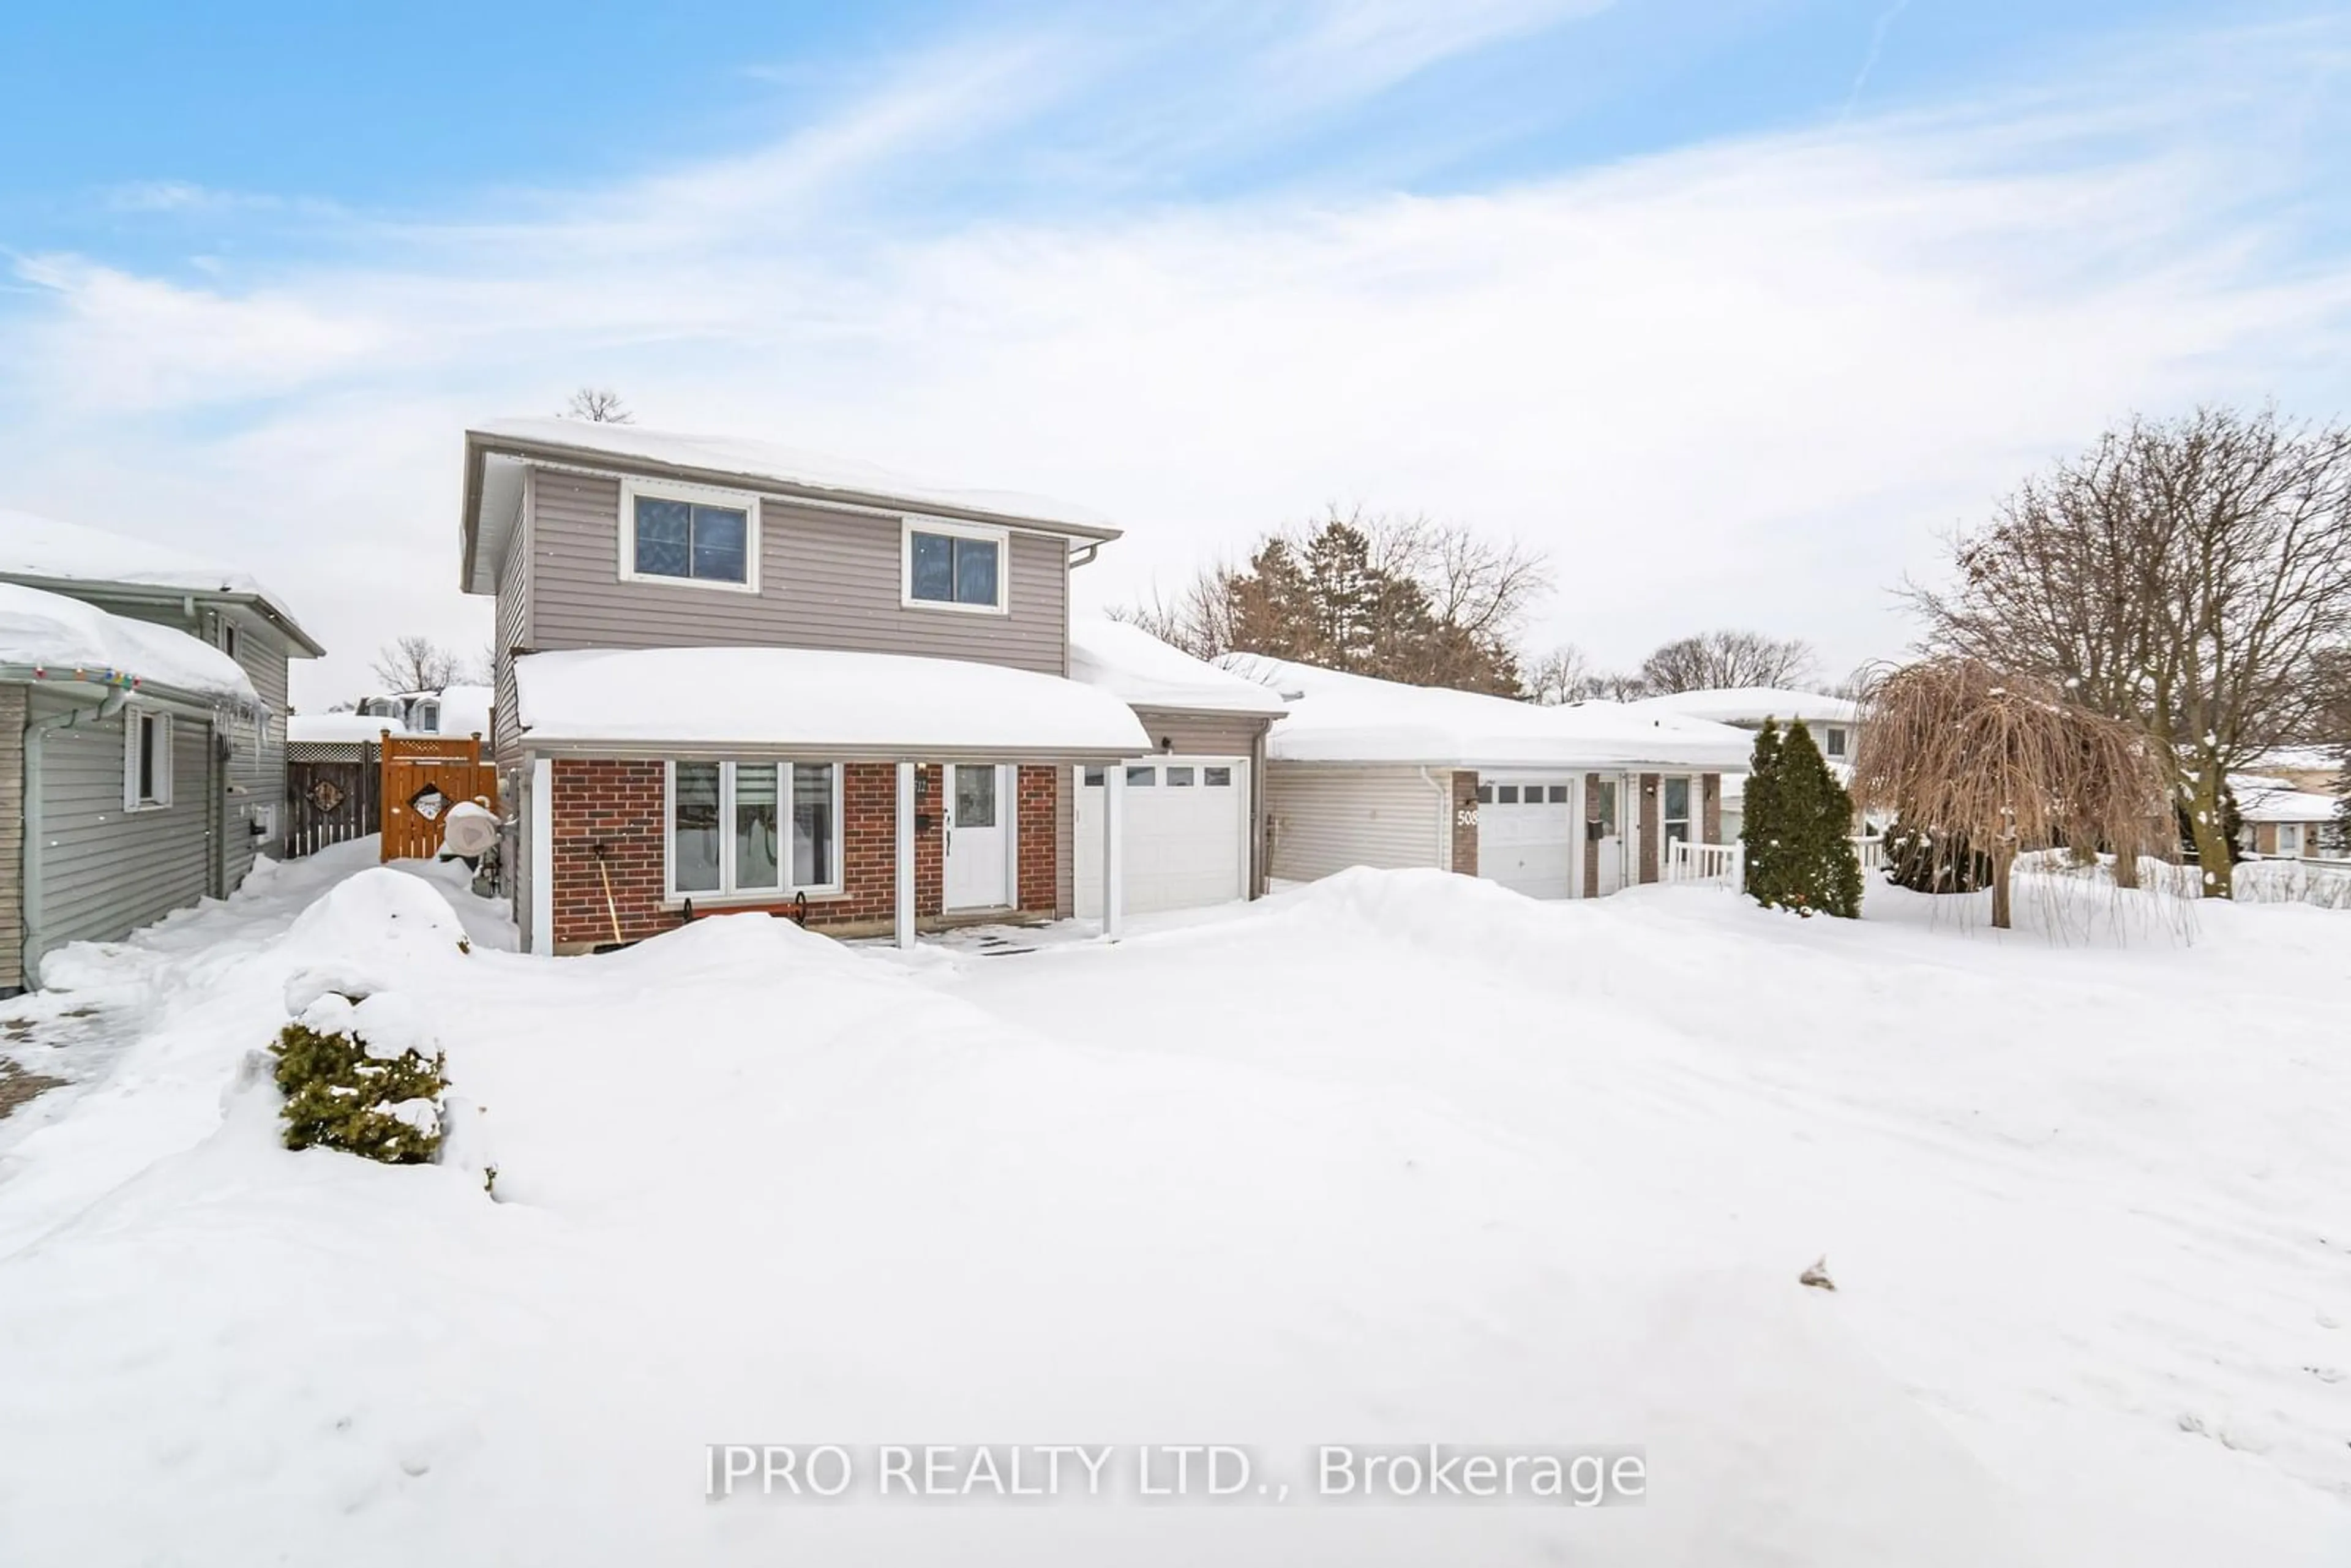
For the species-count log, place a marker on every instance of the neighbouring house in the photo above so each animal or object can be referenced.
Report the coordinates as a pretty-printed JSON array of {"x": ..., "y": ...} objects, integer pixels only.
[
  {"x": 1557, "y": 803},
  {"x": 2281, "y": 821},
  {"x": 733, "y": 676},
  {"x": 143, "y": 693},
  {"x": 2315, "y": 768},
  {"x": 1833, "y": 723},
  {"x": 455, "y": 710},
  {"x": 1196, "y": 805}
]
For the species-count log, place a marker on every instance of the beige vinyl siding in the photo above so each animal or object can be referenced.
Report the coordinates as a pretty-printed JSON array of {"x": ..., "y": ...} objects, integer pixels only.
[
  {"x": 255, "y": 775},
  {"x": 106, "y": 871},
  {"x": 13, "y": 715},
  {"x": 512, "y": 631},
  {"x": 1326, "y": 817},
  {"x": 827, "y": 580}
]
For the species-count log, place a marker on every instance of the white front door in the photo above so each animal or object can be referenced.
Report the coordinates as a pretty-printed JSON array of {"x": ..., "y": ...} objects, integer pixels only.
[
  {"x": 1605, "y": 824},
  {"x": 979, "y": 837}
]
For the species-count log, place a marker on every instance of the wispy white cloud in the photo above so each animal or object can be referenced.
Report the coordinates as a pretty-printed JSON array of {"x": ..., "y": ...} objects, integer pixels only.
[
  {"x": 1883, "y": 25},
  {"x": 1745, "y": 381}
]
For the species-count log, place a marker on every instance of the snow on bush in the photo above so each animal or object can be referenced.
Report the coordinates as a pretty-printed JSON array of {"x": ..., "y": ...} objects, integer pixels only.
[{"x": 360, "y": 1065}]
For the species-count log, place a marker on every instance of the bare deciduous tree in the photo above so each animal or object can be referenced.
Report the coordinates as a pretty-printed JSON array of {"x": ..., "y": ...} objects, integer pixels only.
[
  {"x": 416, "y": 663},
  {"x": 1560, "y": 676},
  {"x": 1721, "y": 659},
  {"x": 2192, "y": 577},
  {"x": 1976, "y": 759},
  {"x": 599, "y": 405}
]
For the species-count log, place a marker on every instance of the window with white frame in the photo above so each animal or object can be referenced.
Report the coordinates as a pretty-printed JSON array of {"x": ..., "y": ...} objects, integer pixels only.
[
  {"x": 1674, "y": 817},
  {"x": 2289, "y": 839},
  {"x": 956, "y": 566},
  {"x": 686, "y": 535},
  {"x": 146, "y": 760},
  {"x": 744, "y": 829},
  {"x": 1836, "y": 737}
]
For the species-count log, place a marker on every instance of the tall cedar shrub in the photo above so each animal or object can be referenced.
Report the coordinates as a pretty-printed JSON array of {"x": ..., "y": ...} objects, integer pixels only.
[
  {"x": 1758, "y": 824},
  {"x": 339, "y": 1097},
  {"x": 1809, "y": 865}
]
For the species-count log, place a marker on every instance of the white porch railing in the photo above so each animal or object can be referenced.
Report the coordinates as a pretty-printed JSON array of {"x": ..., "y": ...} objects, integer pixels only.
[
  {"x": 1687, "y": 861},
  {"x": 1727, "y": 863}
]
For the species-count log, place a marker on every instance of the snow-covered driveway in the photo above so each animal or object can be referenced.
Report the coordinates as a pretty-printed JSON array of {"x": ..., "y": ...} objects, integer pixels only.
[{"x": 1397, "y": 1159}]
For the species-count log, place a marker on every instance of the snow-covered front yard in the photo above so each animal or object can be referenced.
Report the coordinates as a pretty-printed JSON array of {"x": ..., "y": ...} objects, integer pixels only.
[{"x": 1395, "y": 1159}]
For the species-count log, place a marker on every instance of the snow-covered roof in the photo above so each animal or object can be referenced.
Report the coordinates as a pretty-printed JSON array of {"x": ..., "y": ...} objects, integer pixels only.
[
  {"x": 66, "y": 639},
  {"x": 1753, "y": 705},
  {"x": 2265, "y": 799},
  {"x": 46, "y": 551},
  {"x": 819, "y": 701},
  {"x": 2305, "y": 758},
  {"x": 1338, "y": 717},
  {"x": 340, "y": 726},
  {"x": 1140, "y": 670}
]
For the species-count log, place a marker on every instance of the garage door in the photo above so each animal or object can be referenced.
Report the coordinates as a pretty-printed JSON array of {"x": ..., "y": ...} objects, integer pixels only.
[
  {"x": 1186, "y": 834},
  {"x": 1526, "y": 836}
]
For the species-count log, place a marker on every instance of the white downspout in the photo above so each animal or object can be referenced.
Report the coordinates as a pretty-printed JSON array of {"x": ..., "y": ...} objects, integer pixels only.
[
  {"x": 1113, "y": 850},
  {"x": 1444, "y": 817}
]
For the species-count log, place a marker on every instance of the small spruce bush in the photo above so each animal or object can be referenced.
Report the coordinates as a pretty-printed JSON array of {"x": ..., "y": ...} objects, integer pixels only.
[
  {"x": 1800, "y": 846},
  {"x": 339, "y": 1097}
]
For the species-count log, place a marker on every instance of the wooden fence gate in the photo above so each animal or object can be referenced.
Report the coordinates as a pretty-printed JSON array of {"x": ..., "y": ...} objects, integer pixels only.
[
  {"x": 422, "y": 777},
  {"x": 333, "y": 793}
]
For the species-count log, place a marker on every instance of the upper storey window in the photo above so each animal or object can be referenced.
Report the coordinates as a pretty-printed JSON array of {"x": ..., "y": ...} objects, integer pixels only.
[
  {"x": 954, "y": 565},
  {"x": 709, "y": 539}
]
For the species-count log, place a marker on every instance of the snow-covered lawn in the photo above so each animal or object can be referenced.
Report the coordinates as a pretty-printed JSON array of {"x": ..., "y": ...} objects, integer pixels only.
[{"x": 1397, "y": 1158}]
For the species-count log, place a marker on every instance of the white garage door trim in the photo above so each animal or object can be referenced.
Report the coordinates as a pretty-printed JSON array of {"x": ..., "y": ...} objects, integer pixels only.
[{"x": 1186, "y": 843}]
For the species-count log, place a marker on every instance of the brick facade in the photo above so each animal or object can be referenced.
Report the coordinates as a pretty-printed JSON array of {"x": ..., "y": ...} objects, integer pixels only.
[
  {"x": 1465, "y": 824},
  {"x": 1710, "y": 826},
  {"x": 619, "y": 806}
]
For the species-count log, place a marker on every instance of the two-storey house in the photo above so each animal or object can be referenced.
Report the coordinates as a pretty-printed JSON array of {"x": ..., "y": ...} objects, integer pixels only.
[
  {"x": 142, "y": 732},
  {"x": 731, "y": 676}
]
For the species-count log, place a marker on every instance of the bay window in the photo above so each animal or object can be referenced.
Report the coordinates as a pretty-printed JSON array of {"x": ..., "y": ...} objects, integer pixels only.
[{"x": 728, "y": 823}]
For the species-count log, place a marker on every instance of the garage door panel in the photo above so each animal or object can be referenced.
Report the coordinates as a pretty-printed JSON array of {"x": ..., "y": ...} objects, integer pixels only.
[
  {"x": 1186, "y": 843},
  {"x": 1526, "y": 837}
]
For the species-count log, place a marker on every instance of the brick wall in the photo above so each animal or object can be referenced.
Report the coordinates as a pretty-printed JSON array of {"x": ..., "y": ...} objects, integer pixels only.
[
  {"x": 1465, "y": 824},
  {"x": 1709, "y": 830},
  {"x": 1591, "y": 844},
  {"x": 620, "y": 806}
]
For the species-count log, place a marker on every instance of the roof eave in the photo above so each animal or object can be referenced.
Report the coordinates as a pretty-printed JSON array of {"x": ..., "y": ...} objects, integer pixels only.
[{"x": 160, "y": 593}]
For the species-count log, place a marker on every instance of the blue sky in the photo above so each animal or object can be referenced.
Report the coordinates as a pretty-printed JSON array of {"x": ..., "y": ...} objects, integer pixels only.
[{"x": 1731, "y": 305}]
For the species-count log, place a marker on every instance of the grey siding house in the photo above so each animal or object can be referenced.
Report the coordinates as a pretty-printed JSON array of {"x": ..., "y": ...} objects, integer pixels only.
[
  {"x": 116, "y": 656},
  {"x": 609, "y": 538}
]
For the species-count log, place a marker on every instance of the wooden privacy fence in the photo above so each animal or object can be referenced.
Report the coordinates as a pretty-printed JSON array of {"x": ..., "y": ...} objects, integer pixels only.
[
  {"x": 422, "y": 777},
  {"x": 333, "y": 793}
]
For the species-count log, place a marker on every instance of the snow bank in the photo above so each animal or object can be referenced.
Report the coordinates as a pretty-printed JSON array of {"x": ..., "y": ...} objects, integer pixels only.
[
  {"x": 70, "y": 552},
  {"x": 815, "y": 701},
  {"x": 1339, "y": 717},
  {"x": 68, "y": 638},
  {"x": 760, "y": 462},
  {"x": 1138, "y": 668}
]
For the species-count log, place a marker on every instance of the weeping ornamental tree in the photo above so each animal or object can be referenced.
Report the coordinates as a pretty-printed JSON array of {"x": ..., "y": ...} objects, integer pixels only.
[
  {"x": 2190, "y": 577},
  {"x": 1998, "y": 765}
]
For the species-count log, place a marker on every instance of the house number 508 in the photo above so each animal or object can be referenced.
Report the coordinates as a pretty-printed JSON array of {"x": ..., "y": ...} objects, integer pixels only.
[{"x": 1467, "y": 816}]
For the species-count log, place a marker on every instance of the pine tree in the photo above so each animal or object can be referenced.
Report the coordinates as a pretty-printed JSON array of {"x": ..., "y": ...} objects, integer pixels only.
[
  {"x": 1759, "y": 824},
  {"x": 1809, "y": 860}
]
